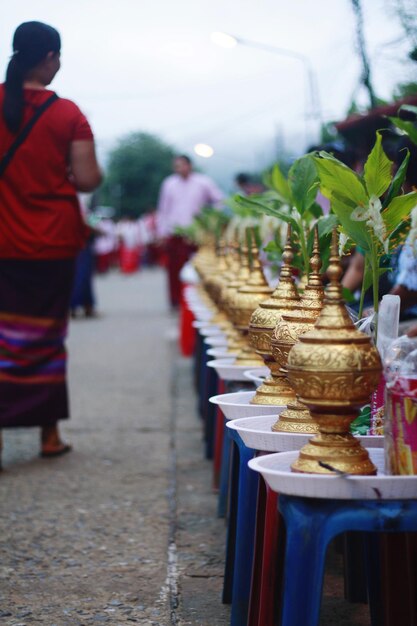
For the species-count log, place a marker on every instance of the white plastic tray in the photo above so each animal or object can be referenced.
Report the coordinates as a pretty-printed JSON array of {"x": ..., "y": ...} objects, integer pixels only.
[
  {"x": 210, "y": 331},
  {"x": 221, "y": 352},
  {"x": 257, "y": 375},
  {"x": 276, "y": 470},
  {"x": 201, "y": 313},
  {"x": 201, "y": 324},
  {"x": 235, "y": 405},
  {"x": 190, "y": 290},
  {"x": 226, "y": 370},
  {"x": 216, "y": 341},
  {"x": 256, "y": 433}
]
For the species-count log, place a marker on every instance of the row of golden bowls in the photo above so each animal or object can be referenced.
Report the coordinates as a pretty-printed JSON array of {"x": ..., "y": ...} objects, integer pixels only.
[{"x": 322, "y": 369}]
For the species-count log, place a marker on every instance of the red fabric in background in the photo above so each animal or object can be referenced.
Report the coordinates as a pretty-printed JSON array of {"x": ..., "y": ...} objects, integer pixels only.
[
  {"x": 129, "y": 259},
  {"x": 187, "y": 332},
  {"x": 40, "y": 215},
  {"x": 104, "y": 262},
  {"x": 178, "y": 251}
]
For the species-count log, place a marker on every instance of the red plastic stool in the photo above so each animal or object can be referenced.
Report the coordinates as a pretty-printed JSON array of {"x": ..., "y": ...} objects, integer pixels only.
[
  {"x": 264, "y": 600},
  {"x": 187, "y": 332}
]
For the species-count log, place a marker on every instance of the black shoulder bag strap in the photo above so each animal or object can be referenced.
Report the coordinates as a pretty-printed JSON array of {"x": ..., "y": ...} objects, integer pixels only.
[{"x": 21, "y": 137}]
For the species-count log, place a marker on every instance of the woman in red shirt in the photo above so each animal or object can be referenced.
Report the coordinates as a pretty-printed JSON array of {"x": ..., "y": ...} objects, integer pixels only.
[{"x": 41, "y": 232}]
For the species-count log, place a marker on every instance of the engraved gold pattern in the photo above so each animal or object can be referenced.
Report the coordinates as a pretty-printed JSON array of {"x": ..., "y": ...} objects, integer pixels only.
[
  {"x": 334, "y": 369},
  {"x": 296, "y": 417},
  {"x": 262, "y": 323}
]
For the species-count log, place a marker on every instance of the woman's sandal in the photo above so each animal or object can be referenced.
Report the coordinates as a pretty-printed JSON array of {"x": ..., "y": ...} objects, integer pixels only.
[{"x": 52, "y": 452}]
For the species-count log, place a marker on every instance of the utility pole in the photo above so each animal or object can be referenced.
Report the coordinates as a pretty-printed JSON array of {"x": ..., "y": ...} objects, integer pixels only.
[{"x": 366, "y": 68}]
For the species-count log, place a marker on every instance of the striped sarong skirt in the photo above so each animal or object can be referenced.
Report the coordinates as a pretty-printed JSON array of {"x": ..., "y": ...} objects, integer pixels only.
[{"x": 34, "y": 305}]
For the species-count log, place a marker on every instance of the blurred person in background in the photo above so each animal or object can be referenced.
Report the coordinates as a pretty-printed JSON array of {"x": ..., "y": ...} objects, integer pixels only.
[
  {"x": 82, "y": 296},
  {"x": 106, "y": 243},
  {"x": 41, "y": 232},
  {"x": 181, "y": 198},
  {"x": 246, "y": 185},
  {"x": 128, "y": 232}
]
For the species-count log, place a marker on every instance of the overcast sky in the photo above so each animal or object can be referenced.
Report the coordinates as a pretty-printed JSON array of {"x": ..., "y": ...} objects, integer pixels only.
[{"x": 150, "y": 65}]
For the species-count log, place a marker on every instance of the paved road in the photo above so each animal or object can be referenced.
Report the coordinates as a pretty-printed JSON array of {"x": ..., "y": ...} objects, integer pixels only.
[{"x": 123, "y": 530}]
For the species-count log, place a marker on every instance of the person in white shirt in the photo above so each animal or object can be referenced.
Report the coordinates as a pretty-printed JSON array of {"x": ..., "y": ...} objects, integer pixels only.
[{"x": 182, "y": 196}]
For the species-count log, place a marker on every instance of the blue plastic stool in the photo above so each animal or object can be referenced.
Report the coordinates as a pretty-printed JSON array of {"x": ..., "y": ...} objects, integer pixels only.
[
  {"x": 310, "y": 525},
  {"x": 202, "y": 376},
  {"x": 247, "y": 496},
  {"x": 198, "y": 348},
  {"x": 209, "y": 410},
  {"x": 224, "y": 472},
  {"x": 230, "y": 387}
]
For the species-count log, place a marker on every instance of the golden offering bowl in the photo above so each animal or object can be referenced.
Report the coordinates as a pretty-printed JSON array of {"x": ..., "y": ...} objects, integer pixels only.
[
  {"x": 296, "y": 417},
  {"x": 275, "y": 390},
  {"x": 334, "y": 368},
  {"x": 244, "y": 302}
]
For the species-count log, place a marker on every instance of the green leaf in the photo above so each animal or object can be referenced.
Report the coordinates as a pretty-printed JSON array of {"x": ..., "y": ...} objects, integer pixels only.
[
  {"x": 304, "y": 183},
  {"x": 407, "y": 127},
  {"x": 367, "y": 277},
  {"x": 326, "y": 224},
  {"x": 272, "y": 246},
  {"x": 399, "y": 235},
  {"x": 377, "y": 171},
  {"x": 239, "y": 208},
  {"x": 315, "y": 210},
  {"x": 397, "y": 181},
  {"x": 348, "y": 296},
  {"x": 336, "y": 178},
  {"x": 398, "y": 210},
  {"x": 279, "y": 183},
  {"x": 260, "y": 207},
  {"x": 357, "y": 231}
]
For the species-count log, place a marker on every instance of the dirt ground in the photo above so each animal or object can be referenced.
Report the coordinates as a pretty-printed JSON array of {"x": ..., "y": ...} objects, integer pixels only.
[{"x": 123, "y": 530}]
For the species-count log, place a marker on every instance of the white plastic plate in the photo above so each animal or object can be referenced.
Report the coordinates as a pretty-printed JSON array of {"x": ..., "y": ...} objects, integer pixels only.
[
  {"x": 256, "y": 433},
  {"x": 257, "y": 375},
  {"x": 216, "y": 341},
  {"x": 221, "y": 353},
  {"x": 226, "y": 370},
  {"x": 276, "y": 470},
  {"x": 235, "y": 405},
  {"x": 211, "y": 330}
]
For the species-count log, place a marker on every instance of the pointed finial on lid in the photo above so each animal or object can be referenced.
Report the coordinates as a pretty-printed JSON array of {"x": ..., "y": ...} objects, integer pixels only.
[
  {"x": 287, "y": 256},
  {"x": 334, "y": 272},
  {"x": 314, "y": 277}
]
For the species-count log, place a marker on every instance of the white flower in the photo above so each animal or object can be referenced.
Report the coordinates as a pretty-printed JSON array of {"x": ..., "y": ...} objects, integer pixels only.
[
  {"x": 374, "y": 219},
  {"x": 343, "y": 239}
]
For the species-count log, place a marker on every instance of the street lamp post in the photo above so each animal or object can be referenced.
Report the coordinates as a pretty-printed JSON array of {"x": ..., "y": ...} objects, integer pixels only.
[{"x": 226, "y": 40}]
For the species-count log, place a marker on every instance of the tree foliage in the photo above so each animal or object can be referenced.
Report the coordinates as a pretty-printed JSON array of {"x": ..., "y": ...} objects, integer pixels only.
[{"x": 136, "y": 168}]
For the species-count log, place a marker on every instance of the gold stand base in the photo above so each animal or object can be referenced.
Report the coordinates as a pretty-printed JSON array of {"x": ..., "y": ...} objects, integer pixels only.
[
  {"x": 296, "y": 418},
  {"x": 328, "y": 452},
  {"x": 248, "y": 360},
  {"x": 234, "y": 345},
  {"x": 274, "y": 391},
  {"x": 246, "y": 356}
]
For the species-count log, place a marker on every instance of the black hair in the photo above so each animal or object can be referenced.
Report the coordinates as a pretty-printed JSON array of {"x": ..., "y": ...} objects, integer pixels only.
[
  {"x": 32, "y": 41},
  {"x": 242, "y": 179},
  {"x": 184, "y": 157}
]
